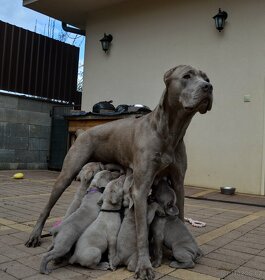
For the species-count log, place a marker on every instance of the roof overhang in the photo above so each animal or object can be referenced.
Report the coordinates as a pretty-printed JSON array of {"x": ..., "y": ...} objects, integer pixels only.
[{"x": 69, "y": 11}]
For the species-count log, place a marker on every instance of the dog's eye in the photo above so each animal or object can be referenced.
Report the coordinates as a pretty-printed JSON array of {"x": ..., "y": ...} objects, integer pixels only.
[
  {"x": 207, "y": 80},
  {"x": 187, "y": 76}
]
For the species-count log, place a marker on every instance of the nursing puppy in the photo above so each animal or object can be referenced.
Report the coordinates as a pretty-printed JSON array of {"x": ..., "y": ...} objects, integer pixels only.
[
  {"x": 171, "y": 231},
  {"x": 102, "y": 233},
  {"x": 68, "y": 232},
  {"x": 102, "y": 178},
  {"x": 126, "y": 242},
  {"x": 86, "y": 176}
]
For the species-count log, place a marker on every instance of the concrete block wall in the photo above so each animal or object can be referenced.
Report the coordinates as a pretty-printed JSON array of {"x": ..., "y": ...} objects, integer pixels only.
[{"x": 25, "y": 128}]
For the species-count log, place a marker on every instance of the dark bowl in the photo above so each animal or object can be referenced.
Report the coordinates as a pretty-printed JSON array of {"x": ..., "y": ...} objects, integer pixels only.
[{"x": 227, "y": 190}]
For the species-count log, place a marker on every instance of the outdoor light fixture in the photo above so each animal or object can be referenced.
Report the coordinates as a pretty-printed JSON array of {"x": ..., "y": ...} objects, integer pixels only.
[
  {"x": 220, "y": 20},
  {"x": 105, "y": 42}
]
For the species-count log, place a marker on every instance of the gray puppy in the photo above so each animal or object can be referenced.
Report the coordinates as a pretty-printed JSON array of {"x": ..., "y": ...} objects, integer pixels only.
[
  {"x": 102, "y": 233},
  {"x": 126, "y": 242},
  {"x": 102, "y": 178},
  {"x": 68, "y": 232},
  {"x": 171, "y": 231},
  {"x": 85, "y": 176}
]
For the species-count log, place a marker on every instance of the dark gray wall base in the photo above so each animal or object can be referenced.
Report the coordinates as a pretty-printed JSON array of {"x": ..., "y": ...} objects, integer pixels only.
[{"x": 25, "y": 128}]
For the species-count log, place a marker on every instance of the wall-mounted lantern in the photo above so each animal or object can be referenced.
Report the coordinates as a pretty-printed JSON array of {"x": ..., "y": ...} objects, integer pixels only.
[
  {"x": 105, "y": 42},
  {"x": 220, "y": 20}
]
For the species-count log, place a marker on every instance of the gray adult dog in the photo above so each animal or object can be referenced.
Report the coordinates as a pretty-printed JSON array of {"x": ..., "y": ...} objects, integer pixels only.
[
  {"x": 170, "y": 231},
  {"x": 151, "y": 145}
]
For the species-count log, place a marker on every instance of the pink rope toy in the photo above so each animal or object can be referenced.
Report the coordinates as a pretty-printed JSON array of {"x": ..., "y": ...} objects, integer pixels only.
[
  {"x": 195, "y": 223},
  {"x": 57, "y": 223}
]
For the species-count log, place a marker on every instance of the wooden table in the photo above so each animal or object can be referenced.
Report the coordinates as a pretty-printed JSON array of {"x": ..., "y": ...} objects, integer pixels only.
[{"x": 86, "y": 122}]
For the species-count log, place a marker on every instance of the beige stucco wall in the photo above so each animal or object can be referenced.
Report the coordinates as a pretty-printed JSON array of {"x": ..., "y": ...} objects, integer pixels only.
[{"x": 225, "y": 146}]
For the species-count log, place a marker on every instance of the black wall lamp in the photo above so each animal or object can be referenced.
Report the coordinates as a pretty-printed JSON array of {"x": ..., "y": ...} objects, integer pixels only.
[
  {"x": 220, "y": 20},
  {"x": 105, "y": 42}
]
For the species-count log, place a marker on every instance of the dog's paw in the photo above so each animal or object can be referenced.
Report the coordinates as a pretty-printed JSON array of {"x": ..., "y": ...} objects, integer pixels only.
[
  {"x": 144, "y": 269},
  {"x": 45, "y": 271},
  {"x": 103, "y": 266},
  {"x": 33, "y": 241},
  {"x": 156, "y": 264}
]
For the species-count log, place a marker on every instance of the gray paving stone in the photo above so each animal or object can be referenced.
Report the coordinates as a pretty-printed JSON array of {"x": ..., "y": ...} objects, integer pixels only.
[
  {"x": 17, "y": 269},
  {"x": 40, "y": 277},
  {"x": 251, "y": 272},
  {"x": 237, "y": 276},
  {"x": 4, "y": 259},
  {"x": 226, "y": 258},
  {"x": 64, "y": 273},
  {"x": 5, "y": 276},
  {"x": 219, "y": 264},
  {"x": 256, "y": 263},
  {"x": 10, "y": 240},
  {"x": 212, "y": 271}
]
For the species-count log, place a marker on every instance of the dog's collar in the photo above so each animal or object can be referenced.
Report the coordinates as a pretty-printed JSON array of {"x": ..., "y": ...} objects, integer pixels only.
[
  {"x": 95, "y": 190},
  {"x": 112, "y": 211}
]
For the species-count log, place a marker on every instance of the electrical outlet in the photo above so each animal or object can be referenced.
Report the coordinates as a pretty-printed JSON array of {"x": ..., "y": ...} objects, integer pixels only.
[{"x": 247, "y": 98}]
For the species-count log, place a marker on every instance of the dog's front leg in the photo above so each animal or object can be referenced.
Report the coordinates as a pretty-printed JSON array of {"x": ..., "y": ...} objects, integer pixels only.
[
  {"x": 61, "y": 184},
  {"x": 177, "y": 175},
  {"x": 140, "y": 192},
  {"x": 112, "y": 253},
  {"x": 76, "y": 157}
]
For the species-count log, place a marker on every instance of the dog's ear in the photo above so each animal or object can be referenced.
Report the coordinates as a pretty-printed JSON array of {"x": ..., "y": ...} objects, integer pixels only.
[
  {"x": 168, "y": 74},
  {"x": 100, "y": 201},
  {"x": 130, "y": 202},
  {"x": 160, "y": 212}
]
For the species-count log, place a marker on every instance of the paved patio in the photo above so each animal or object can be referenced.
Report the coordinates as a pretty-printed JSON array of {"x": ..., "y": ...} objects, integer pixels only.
[{"x": 233, "y": 240}]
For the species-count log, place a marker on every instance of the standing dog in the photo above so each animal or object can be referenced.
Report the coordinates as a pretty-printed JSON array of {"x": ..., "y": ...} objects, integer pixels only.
[
  {"x": 172, "y": 232},
  {"x": 102, "y": 233},
  {"x": 150, "y": 145}
]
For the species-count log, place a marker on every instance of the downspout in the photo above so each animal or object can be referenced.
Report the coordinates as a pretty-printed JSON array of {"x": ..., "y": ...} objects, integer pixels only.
[{"x": 78, "y": 31}]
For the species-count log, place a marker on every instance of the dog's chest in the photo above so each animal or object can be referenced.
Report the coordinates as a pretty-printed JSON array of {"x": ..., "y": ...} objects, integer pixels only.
[{"x": 164, "y": 158}]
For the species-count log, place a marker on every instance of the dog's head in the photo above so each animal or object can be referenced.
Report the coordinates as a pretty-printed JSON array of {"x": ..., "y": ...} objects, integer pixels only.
[
  {"x": 102, "y": 178},
  {"x": 189, "y": 88},
  {"x": 166, "y": 197},
  {"x": 113, "y": 193}
]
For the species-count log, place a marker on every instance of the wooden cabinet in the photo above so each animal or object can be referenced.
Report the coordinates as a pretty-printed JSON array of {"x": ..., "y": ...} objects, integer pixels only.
[{"x": 86, "y": 122}]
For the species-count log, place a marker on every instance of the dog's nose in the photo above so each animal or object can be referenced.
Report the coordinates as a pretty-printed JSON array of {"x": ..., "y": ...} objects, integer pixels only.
[{"x": 207, "y": 87}]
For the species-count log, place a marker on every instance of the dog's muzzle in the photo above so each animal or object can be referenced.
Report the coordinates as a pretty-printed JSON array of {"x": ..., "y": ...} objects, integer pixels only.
[{"x": 206, "y": 103}]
